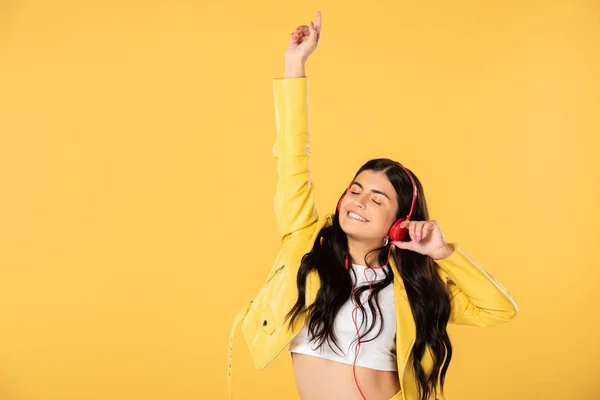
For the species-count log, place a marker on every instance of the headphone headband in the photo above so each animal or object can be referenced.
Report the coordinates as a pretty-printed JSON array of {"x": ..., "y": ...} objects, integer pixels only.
[{"x": 414, "y": 185}]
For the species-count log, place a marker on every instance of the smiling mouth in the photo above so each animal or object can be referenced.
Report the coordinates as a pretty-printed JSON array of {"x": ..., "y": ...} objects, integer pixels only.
[{"x": 356, "y": 217}]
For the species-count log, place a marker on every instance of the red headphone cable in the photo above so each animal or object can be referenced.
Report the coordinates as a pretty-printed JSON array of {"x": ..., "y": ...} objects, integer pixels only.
[{"x": 353, "y": 314}]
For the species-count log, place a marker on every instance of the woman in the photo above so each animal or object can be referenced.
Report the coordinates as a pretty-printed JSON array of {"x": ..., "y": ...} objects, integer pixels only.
[{"x": 363, "y": 295}]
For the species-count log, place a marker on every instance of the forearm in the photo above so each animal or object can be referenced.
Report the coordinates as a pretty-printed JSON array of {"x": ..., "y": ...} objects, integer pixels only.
[
  {"x": 478, "y": 299},
  {"x": 294, "y": 69}
]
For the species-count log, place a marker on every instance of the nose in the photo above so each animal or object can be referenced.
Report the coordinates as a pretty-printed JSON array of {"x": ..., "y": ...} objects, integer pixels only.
[{"x": 359, "y": 201}]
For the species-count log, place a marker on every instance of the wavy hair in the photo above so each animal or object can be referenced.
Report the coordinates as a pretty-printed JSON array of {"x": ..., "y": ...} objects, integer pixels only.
[{"x": 427, "y": 294}]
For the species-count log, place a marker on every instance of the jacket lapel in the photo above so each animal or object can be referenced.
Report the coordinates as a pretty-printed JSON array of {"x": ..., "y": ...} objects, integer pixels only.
[{"x": 405, "y": 328}]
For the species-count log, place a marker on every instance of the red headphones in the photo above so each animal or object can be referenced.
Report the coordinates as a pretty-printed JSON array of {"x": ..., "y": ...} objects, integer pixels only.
[{"x": 395, "y": 234}]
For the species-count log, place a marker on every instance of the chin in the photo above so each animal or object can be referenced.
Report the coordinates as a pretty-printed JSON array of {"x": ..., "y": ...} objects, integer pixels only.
[
  {"x": 354, "y": 230},
  {"x": 364, "y": 233}
]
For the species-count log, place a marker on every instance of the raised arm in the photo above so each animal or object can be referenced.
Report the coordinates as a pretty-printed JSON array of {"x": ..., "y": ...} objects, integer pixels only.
[{"x": 294, "y": 202}]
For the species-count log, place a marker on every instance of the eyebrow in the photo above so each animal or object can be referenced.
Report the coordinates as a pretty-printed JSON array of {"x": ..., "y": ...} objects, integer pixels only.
[{"x": 372, "y": 190}]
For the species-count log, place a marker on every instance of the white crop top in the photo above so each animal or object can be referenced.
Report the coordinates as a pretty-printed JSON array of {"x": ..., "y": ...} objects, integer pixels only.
[{"x": 380, "y": 353}]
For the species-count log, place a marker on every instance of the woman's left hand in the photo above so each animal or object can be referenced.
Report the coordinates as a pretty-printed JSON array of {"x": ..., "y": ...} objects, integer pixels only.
[{"x": 427, "y": 238}]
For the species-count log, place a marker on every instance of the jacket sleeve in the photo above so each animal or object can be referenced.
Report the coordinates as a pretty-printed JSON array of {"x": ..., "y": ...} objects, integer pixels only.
[
  {"x": 476, "y": 297},
  {"x": 294, "y": 202}
]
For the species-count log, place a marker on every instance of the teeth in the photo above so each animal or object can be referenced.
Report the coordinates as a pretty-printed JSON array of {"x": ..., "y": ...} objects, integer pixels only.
[{"x": 356, "y": 216}]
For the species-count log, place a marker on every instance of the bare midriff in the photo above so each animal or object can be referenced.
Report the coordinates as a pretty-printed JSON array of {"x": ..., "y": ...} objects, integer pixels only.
[{"x": 319, "y": 378}]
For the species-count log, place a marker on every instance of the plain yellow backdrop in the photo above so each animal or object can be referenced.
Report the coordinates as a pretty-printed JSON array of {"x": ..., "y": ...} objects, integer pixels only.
[{"x": 137, "y": 181}]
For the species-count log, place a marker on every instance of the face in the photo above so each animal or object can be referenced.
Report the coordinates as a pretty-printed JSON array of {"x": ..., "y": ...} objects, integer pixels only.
[{"x": 369, "y": 207}]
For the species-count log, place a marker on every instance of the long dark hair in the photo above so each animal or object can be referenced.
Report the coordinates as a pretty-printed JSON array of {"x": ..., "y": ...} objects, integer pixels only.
[{"x": 427, "y": 294}]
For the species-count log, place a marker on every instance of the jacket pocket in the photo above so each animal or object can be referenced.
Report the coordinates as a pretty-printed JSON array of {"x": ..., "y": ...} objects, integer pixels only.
[
  {"x": 266, "y": 303},
  {"x": 268, "y": 320}
]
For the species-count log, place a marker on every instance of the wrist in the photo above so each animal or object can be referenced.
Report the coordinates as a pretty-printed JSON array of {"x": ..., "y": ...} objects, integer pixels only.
[{"x": 294, "y": 69}]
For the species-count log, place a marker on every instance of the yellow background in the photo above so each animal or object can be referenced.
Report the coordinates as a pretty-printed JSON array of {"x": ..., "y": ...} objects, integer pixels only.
[{"x": 137, "y": 178}]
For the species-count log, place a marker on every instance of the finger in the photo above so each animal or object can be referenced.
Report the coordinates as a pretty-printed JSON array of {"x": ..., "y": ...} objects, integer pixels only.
[
  {"x": 418, "y": 228},
  {"x": 426, "y": 228},
  {"x": 422, "y": 231},
  {"x": 300, "y": 31},
  {"x": 303, "y": 32},
  {"x": 403, "y": 245},
  {"x": 318, "y": 22},
  {"x": 313, "y": 32},
  {"x": 435, "y": 226},
  {"x": 411, "y": 229},
  {"x": 417, "y": 234}
]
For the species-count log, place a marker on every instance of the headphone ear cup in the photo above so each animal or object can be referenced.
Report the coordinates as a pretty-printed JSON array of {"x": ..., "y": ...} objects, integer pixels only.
[{"x": 396, "y": 233}]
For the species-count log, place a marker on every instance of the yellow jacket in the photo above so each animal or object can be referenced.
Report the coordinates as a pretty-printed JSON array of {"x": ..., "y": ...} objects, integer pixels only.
[{"x": 477, "y": 299}]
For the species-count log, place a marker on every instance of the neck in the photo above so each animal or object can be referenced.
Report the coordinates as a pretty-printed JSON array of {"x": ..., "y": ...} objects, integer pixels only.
[{"x": 358, "y": 250}]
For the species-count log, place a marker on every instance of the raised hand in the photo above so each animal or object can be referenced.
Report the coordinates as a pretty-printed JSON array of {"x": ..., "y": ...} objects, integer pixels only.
[{"x": 304, "y": 40}]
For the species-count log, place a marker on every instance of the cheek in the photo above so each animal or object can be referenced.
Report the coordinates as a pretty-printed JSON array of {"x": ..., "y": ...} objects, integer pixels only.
[
  {"x": 381, "y": 217},
  {"x": 386, "y": 218},
  {"x": 343, "y": 205},
  {"x": 347, "y": 204}
]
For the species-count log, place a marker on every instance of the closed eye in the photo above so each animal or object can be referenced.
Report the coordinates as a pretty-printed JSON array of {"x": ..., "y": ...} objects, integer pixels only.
[{"x": 374, "y": 201}]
